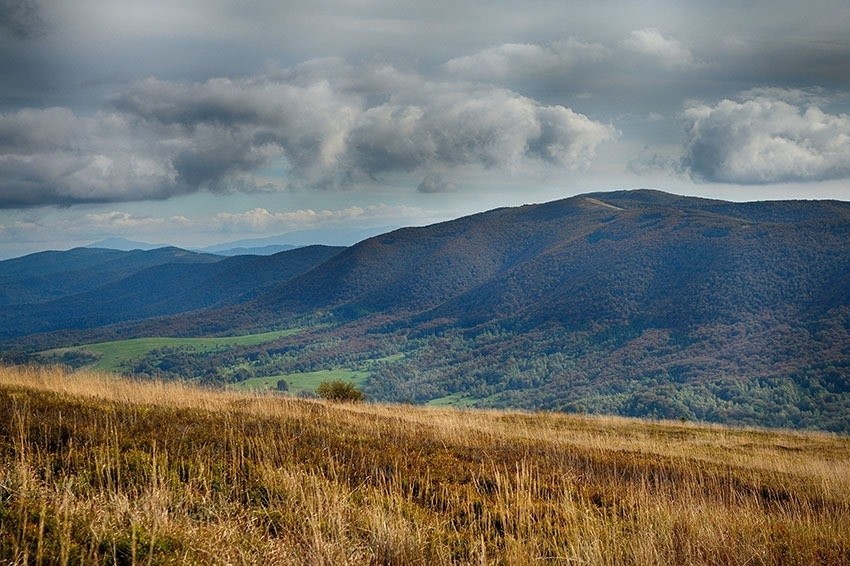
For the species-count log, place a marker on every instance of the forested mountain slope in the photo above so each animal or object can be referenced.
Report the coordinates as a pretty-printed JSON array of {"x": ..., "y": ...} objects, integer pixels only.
[{"x": 641, "y": 256}]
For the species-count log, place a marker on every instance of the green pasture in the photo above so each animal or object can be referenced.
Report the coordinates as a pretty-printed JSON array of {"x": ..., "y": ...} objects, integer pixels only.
[
  {"x": 121, "y": 355},
  {"x": 453, "y": 400}
]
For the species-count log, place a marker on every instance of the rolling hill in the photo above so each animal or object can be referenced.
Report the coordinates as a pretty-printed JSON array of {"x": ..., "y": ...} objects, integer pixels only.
[{"x": 585, "y": 260}]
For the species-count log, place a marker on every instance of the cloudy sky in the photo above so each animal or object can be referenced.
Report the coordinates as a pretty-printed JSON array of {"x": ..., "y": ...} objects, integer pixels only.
[{"x": 203, "y": 121}]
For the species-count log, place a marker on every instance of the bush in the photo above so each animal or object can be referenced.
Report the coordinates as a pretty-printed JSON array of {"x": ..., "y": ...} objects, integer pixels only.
[
  {"x": 282, "y": 385},
  {"x": 337, "y": 390}
]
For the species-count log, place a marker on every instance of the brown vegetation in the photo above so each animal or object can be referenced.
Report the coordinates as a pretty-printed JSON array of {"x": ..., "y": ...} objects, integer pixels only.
[
  {"x": 97, "y": 470},
  {"x": 338, "y": 390}
]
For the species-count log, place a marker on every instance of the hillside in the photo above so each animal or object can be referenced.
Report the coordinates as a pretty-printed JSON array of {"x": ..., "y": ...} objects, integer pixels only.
[
  {"x": 103, "y": 470},
  {"x": 635, "y": 303},
  {"x": 644, "y": 250}
]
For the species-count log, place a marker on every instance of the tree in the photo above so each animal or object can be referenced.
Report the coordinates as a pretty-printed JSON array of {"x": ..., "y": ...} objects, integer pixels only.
[{"x": 337, "y": 390}]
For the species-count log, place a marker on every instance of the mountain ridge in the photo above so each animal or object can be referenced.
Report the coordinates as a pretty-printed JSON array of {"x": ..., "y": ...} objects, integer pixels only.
[{"x": 166, "y": 282}]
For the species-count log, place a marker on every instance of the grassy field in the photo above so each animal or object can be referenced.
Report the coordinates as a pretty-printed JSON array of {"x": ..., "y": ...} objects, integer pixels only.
[
  {"x": 97, "y": 470},
  {"x": 302, "y": 382},
  {"x": 453, "y": 400},
  {"x": 121, "y": 355}
]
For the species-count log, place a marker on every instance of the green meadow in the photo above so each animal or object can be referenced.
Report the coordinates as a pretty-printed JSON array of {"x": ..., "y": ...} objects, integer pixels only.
[
  {"x": 120, "y": 355},
  {"x": 453, "y": 400}
]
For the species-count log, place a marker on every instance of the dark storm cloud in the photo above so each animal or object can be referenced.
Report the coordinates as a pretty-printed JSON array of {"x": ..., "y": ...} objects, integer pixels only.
[
  {"x": 21, "y": 18},
  {"x": 435, "y": 183},
  {"x": 767, "y": 136}
]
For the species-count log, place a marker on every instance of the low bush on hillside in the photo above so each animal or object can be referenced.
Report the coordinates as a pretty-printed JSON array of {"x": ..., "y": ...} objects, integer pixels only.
[{"x": 338, "y": 390}]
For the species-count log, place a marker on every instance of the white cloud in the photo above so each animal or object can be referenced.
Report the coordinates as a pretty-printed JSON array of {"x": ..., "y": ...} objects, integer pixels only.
[
  {"x": 38, "y": 229},
  {"x": 445, "y": 124},
  {"x": 119, "y": 221},
  {"x": 515, "y": 60},
  {"x": 670, "y": 52},
  {"x": 53, "y": 156},
  {"x": 796, "y": 96},
  {"x": 765, "y": 139},
  {"x": 261, "y": 220}
]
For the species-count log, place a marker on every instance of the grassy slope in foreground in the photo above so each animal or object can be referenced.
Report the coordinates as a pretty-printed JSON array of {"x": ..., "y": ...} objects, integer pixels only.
[
  {"x": 120, "y": 355},
  {"x": 98, "y": 470}
]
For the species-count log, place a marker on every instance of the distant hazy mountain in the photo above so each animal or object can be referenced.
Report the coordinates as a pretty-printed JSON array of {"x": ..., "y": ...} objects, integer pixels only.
[
  {"x": 260, "y": 250},
  {"x": 123, "y": 244},
  {"x": 46, "y": 276},
  {"x": 275, "y": 244}
]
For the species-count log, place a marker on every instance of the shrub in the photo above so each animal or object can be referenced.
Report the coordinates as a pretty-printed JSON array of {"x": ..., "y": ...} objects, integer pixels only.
[{"x": 337, "y": 390}]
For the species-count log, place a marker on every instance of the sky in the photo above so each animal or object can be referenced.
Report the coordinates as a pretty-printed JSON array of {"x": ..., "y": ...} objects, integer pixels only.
[{"x": 204, "y": 121}]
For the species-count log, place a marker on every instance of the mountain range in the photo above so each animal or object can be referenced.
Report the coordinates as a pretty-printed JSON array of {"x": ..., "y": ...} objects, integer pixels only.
[
  {"x": 86, "y": 288},
  {"x": 633, "y": 302},
  {"x": 328, "y": 236}
]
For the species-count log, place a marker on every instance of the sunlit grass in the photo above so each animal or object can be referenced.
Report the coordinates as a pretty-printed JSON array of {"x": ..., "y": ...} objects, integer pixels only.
[
  {"x": 302, "y": 382},
  {"x": 101, "y": 470}
]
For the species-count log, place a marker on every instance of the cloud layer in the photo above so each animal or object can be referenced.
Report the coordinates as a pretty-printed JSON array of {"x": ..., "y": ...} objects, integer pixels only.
[
  {"x": 84, "y": 227},
  {"x": 413, "y": 97},
  {"x": 769, "y": 136},
  {"x": 326, "y": 123}
]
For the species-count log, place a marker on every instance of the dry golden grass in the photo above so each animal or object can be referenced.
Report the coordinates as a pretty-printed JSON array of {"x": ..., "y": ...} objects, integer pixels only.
[{"x": 97, "y": 470}]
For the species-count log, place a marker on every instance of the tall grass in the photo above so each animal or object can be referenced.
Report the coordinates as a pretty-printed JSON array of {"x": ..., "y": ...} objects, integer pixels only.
[{"x": 99, "y": 470}]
